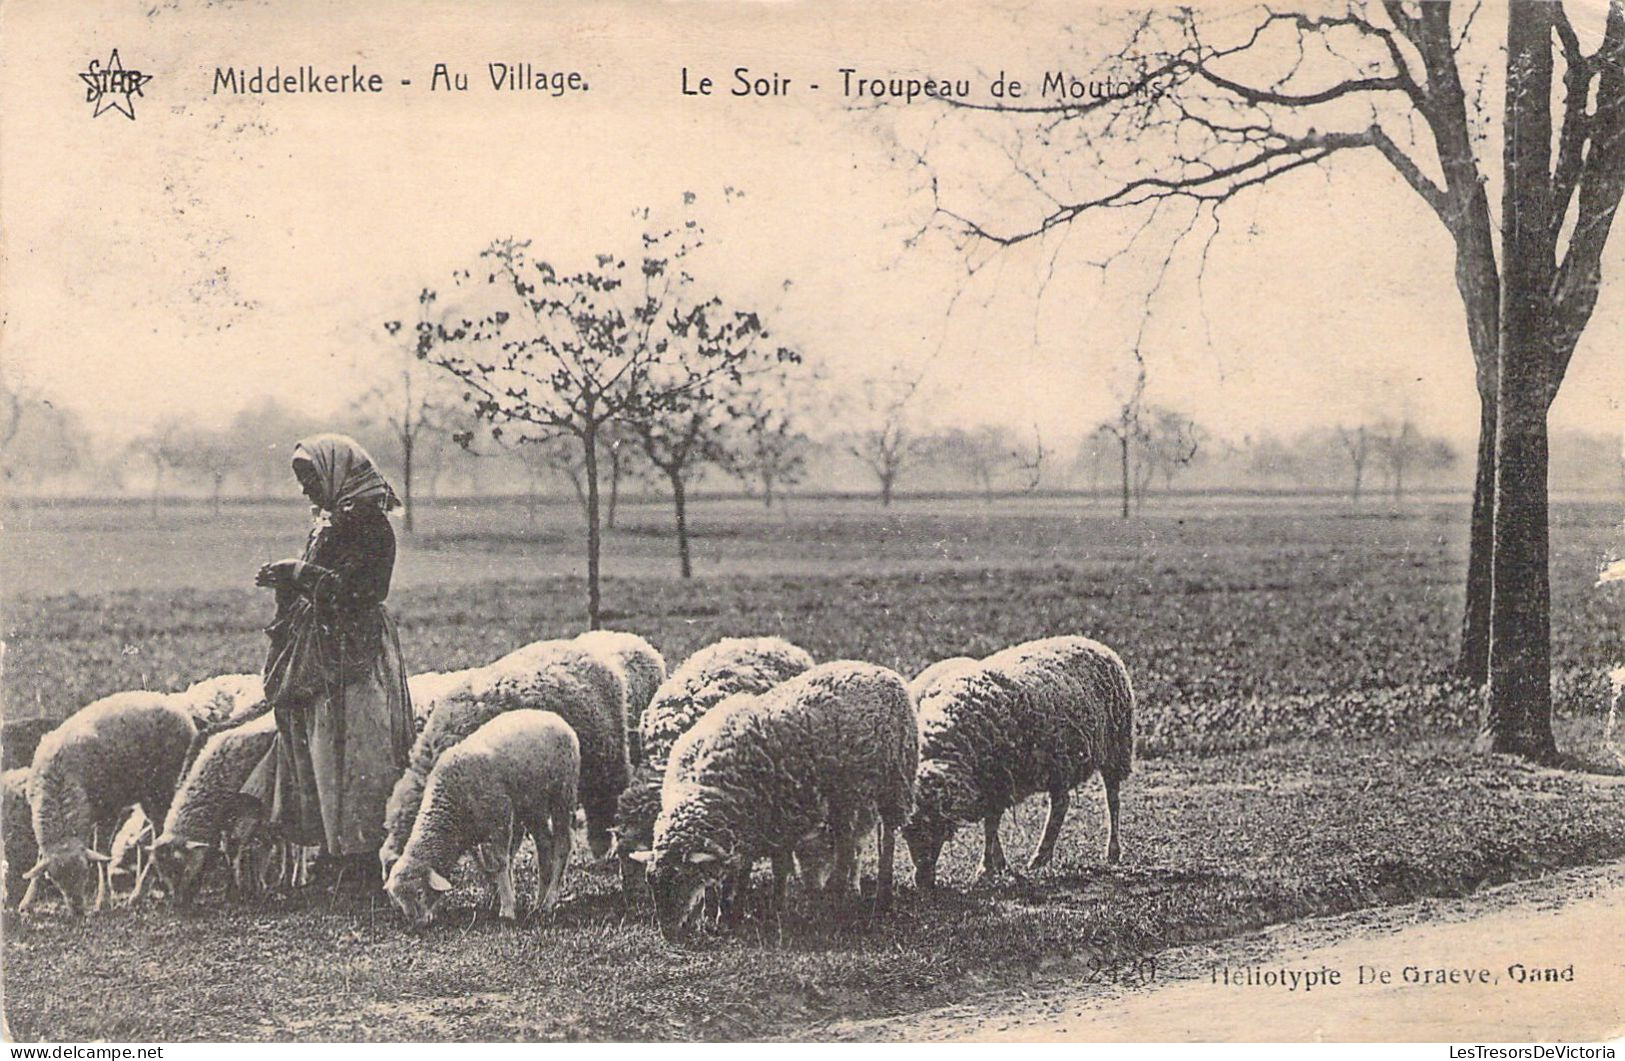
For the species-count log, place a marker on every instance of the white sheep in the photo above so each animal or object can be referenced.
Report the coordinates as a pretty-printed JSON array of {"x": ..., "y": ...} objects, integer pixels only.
[
  {"x": 1039, "y": 717},
  {"x": 816, "y": 756},
  {"x": 581, "y": 686},
  {"x": 515, "y": 775},
  {"x": 211, "y": 815},
  {"x": 16, "y": 832},
  {"x": 218, "y": 699},
  {"x": 643, "y": 671},
  {"x": 727, "y": 668},
  {"x": 937, "y": 671},
  {"x": 123, "y": 749}
]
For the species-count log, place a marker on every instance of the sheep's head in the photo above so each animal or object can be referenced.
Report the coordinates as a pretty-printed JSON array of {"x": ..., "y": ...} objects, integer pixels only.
[
  {"x": 181, "y": 865},
  {"x": 416, "y": 889},
  {"x": 678, "y": 879},
  {"x": 388, "y": 855},
  {"x": 944, "y": 797},
  {"x": 68, "y": 866}
]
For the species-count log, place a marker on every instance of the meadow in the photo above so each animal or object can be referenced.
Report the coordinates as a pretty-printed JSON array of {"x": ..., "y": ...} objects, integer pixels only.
[{"x": 1304, "y": 748}]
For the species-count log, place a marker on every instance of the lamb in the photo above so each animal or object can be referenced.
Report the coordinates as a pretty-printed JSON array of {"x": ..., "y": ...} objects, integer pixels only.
[
  {"x": 729, "y": 667},
  {"x": 210, "y": 813},
  {"x": 516, "y": 774},
  {"x": 643, "y": 671},
  {"x": 16, "y": 831},
  {"x": 760, "y": 775},
  {"x": 123, "y": 749},
  {"x": 577, "y": 684},
  {"x": 1038, "y": 717}
]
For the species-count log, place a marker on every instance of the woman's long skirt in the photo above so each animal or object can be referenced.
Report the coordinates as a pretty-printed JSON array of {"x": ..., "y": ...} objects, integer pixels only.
[{"x": 336, "y": 759}]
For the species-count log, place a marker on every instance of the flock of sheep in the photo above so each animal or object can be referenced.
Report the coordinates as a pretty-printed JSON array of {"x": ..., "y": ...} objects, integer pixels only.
[{"x": 747, "y": 751}]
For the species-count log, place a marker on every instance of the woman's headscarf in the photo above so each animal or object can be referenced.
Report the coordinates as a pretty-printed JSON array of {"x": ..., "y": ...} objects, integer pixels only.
[{"x": 345, "y": 471}]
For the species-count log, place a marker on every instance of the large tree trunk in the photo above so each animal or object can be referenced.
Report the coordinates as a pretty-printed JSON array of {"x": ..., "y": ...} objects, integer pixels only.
[
  {"x": 1518, "y": 707},
  {"x": 1474, "y": 663},
  {"x": 589, "y": 446},
  {"x": 680, "y": 503}
]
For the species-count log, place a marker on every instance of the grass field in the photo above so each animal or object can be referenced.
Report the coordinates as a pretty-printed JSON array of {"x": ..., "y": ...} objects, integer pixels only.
[{"x": 1304, "y": 749}]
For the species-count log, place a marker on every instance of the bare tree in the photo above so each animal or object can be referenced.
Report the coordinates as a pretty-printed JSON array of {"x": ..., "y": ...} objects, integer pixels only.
[
  {"x": 162, "y": 446},
  {"x": 981, "y": 454},
  {"x": 38, "y": 438},
  {"x": 1126, "y": 431},
  {"x": 563, "y": 354},
  {"x": 1356, "y": 445},
  {"x": 1215, "y": 107},
  {"x": 212, "y": 456},
  {"x": 767, "y": 451},
  {"x": 412, "y": 400},
  {"x": 1172, "y": 442},
  {"x": 886, "y": 442}
]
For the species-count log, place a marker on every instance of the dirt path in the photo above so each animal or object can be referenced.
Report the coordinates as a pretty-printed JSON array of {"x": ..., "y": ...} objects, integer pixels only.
[{"x": 1572, "y": 923}]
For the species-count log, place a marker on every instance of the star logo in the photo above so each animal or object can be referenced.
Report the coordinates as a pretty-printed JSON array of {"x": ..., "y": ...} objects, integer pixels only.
[{"x": 112, "y": 87}]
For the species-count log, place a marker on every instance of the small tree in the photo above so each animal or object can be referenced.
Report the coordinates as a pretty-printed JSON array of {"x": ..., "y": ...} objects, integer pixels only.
[
  {"x": 767, "y": 453},
  {"x": 696, "y": 430},
  {"x": 413, "y": 402},
  {"x": 161, "y": 446},
  {"x": 211, "y": 456},
  {"x": 887, "y": 443},
  {"x": 563, "y": 354},
  {"x": 981, "y": 454},
  {"x": 1356, "y": 445},
  {"x": 38, "y": 438}
]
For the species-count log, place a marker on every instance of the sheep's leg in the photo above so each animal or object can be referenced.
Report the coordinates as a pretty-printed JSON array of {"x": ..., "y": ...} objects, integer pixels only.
[
  {"x": 883, "y": 875},
  {"x": 561, "y": 854},
  {"x": 733, "y": 893},
  {"x": 782, "y": 865},
  {"x": 1113, "y": 850},
  {"x": 28, "y": 895},
  {"x": 1059, "y": 800},
  {"x": 993, "y": 860},
  {"x": 506, "y": 906}
]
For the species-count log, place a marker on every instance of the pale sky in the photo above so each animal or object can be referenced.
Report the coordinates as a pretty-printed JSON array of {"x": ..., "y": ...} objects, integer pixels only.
[{"x": 221, "y": 247}]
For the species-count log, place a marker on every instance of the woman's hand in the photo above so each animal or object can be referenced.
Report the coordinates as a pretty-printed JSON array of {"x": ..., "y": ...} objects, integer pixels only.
[{"x": 275, "y": 575}]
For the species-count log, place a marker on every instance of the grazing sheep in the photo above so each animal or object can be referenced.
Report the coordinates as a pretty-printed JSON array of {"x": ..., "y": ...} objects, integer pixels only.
[
  {"x": 211, "y": 815},
  {"x": 937, "y": 671},
  {"x": 643, "y": 670},
  {"x": 562, "y": 677},
  {"x": 16, "y": 832},
  {"x": 1039, "y": 717},
  {"x": 18, "y": 739},
  {"x": 731, "y": 666},
  {"x": 516, "y": 774},
  {"x": 123, "y": 749},
  {"x": 760, "y": 775}
]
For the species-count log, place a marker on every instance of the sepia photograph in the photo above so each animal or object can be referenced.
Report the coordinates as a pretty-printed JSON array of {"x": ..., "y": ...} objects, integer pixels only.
[{"x": 820, "y": 522}]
